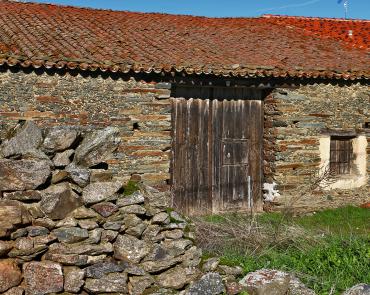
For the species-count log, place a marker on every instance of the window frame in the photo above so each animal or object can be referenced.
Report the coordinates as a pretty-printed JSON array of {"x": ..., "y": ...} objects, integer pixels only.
[{"x": 341, "y": 155}]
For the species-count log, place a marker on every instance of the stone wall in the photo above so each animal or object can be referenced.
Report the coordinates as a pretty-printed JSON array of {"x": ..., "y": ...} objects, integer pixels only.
[
  {"x": 139, "y": 109},
  {"x": 66, "y": 226},
  {"x": 296, "y": 120}
]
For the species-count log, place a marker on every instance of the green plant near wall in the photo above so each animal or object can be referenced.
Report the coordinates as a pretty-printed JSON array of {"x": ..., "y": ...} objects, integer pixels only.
[{"x": 130, "y": 188}]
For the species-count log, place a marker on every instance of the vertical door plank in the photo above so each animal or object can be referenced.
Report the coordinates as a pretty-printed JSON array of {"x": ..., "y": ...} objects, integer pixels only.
[
  {"x": 188, "y": 164},
  {"x": 191, "y": 181},
  {"x": 217, "y": 132},
  {"x": 210, "y": 159},
  {"x": 178, "y": 149},
  {"x": 183, "y": 153},
  {"x": 193, "y": 156},
  {"x": 204, "y": 136},
  {"x": 256, "y": 159},
  {"x": 198, "y": 159}
]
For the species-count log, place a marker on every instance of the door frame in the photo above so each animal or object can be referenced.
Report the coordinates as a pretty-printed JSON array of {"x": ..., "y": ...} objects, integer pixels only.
[{"x": 258, "y": 199}]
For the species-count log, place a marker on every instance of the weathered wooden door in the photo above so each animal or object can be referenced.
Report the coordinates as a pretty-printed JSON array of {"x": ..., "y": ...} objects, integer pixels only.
[{"x": 217, "y": 155}]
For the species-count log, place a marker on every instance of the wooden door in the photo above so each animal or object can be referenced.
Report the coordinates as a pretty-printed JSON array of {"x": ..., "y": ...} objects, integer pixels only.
[
  {"x": 237, "y": 155},
  {"x": 217, "y": 155},
  {"x": 191, "y": 161}
]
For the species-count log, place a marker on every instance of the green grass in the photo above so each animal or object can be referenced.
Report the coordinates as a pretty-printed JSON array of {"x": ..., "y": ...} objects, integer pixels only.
[
  {"x": 336, "y": 263},
  {"x": 333, "y": 250},
  {"x": 342, "y": 221},
  {"x": 130, "y": 188},
  {"x": 345, "y": 220}
]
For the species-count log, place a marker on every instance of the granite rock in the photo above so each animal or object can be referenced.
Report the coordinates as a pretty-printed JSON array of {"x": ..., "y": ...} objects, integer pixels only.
[
  {"x": 19, "y": 175},
  {"x": 130, "y": 249},
  {"x": 59, "y": 139},
  {"x": 99, "y": 191},
  {"x": 23, "y": 196},
  {"x": 274, "y": 282},
  {"x": 71, "y": 234},
  {"x": 97, "y": 147},
  {"x": 27, "y": 137},
  {"x": 59, "y": 200},
  {"x": 109, "y": 283},
  {"x": 360, "y": 289},
  {"x": 43, "y": 277},
  {"x": 63, "y": 159},
  {"x": 73, "y": 279},
  {"x": 209, "y": 284},
  {"x": 10, "y": 274}
]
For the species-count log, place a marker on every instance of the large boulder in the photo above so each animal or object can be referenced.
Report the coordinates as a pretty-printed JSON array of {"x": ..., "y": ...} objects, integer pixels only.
[
  {"x": 177, "y": 277},
  {"x": 15, "y": 291},
  {"x": 133, "y": 199},
  {"x": 12, "y": 215},
  {"x": 98, "y": 270},
  {"x": 109, "y": 283},
  {"x": 274, "y": 282},
  {"x": 105, "y": 209},
  {"x": 27, "y": 254},
  {"x": 10, "y": 274},
  {"x": 59, "y": 200},
  {"x": 360, "y": 289},
  {"x": 63, "y": 159},
  {"x": 37, "y": 155},
  {"x": 43, "y": 277},
  {"x": 5, "y": 247},
  {"x": 155, "y": 199},
  {"x": 79, "y": 175},
  {"x": 138, "y": 284},
  {"x": 81, "y": 249},
  {"x": 97, "y": 147},
  {"x": 211, "y": 264},
  {"x": 23, "y": 196},
  {"x": 71, "y": 234},
  {"x": 209, "y": 284},
  {"x": 159, "y": 259},
  {"x": 19, "y": 175},
  {"x": 73, "y": 279},
  {"x": 67, "y": 259},
  {"x": 27, "y": 137},
  {"x": 130, "y": 249},
  {"x": 99, "y": 191},
  {"x": 59, "y": 139}
]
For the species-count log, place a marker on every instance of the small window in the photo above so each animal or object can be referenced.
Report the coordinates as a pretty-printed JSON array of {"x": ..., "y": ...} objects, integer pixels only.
[{"x": 341, "y": 155}]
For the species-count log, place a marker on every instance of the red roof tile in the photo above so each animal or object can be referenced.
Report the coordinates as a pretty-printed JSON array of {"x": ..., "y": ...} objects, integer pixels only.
[
  {"x": 61, "y": 36},
  {"x": 354, "y": 32}
]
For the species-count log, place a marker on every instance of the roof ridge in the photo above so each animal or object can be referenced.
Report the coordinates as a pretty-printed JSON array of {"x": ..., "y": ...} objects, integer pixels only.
[
  {"x": 126, "y": 11},
  {"x": 186, "y": 15},
  {"x": 314, "y": 18}
]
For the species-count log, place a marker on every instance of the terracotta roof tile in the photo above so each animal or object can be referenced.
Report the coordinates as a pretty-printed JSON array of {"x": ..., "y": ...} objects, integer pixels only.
[
  {"x": 62, "y": 36},
  {"x": 353, "y": 32}
]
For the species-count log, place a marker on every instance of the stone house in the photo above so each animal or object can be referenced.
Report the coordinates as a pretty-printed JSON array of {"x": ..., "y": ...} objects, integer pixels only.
[{"x": 212, "y": 109}]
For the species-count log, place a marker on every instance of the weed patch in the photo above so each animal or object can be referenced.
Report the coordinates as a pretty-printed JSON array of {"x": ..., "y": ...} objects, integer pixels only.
[
  {"x": 130, "y": 188},
  {"x": 329, "y": 251}
]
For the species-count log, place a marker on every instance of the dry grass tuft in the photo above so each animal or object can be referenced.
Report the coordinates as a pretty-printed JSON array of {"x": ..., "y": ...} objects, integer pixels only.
[{"x": 246, "y": 234}]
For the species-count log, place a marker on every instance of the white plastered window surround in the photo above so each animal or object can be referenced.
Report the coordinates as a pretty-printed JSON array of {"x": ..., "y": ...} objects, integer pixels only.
[{"x": 357, "y": 177}]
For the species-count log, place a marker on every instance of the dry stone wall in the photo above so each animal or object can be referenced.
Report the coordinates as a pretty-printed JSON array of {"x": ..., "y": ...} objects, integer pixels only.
[
  {"x": 67, "y": 226},
  {"x": 140, "y": 110},
  {"x": 295, "y": 120}
]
